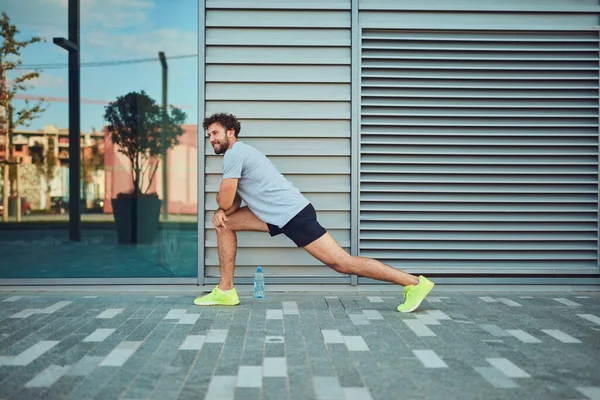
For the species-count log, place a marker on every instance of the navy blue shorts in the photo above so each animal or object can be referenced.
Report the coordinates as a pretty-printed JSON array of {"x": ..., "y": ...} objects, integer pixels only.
[{"x": 303, "y": 229}]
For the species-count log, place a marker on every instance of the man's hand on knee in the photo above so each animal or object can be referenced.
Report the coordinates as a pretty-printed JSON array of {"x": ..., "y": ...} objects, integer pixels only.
[{"x": 219, "y": 220}]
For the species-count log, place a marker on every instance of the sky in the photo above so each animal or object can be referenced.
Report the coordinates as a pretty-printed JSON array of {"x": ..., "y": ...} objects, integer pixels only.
[{"x": 111, "y": 30}]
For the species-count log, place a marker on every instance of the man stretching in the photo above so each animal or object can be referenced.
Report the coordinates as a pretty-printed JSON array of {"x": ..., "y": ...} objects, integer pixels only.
[{"x": 275, "y": 206}]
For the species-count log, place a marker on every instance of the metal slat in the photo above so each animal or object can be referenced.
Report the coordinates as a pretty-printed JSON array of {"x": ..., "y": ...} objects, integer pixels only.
[
  {"x": 482, "y": 216},
  {"x": 504, "y": 208},
  {"x": 467, "y": 236},
  {"x": 453, "y": 36},
  {"x": 435, "y": 246}
]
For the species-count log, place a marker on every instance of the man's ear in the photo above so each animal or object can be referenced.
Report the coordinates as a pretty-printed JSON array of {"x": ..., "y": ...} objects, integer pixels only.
[{"x": 231, "y": 133}]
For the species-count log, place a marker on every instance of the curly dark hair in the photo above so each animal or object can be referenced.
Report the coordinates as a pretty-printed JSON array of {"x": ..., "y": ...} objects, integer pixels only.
[{"x": 228, "y": 121}]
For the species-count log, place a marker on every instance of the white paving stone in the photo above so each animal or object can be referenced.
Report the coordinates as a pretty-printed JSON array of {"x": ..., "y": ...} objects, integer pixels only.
[
  {"x": 290, "y": 308},
  {"x": 419, "y": 328},
  {"x": 496, "y": 378},
  {"x": 433, "y": 299},
  {"x": 430, "y": 359},
  {"x": 372, "y": 314},
  {"x": 12, "y": 299},
  {"x": 488, "y": 299},
  {"x": 332, "y": 336},
  {"x": 561, "y": 336},
  {"x": 176, "y": 313},
  {"x": 274, "y": 367},
  {"x": 99, "y": 335},
  {"x": 120, "y": 354},
  {"x": 355, "y": 343},
  {"x": 249, "y": 376},
  {"x": 110, "y": 313},
  {"x": 567, "y": 302},
  {"x": 375, "y": 299},
  {"x": 193, "y": 342},
  {"x": 274, "y": 314},
  {"x": 590, "y": 317},
  {"x": 55, "y": 307},
  {"x": 327, "y": 388},
  {"x": 47, "y": 377},
  {"x": 510, "y": 302},
  {"x": 508, "y": 368},
  {"x": 189, "y": 319},
  {"x": 221, "y": 388},
  {"x": 356, "y": 393},
  {"x": 523, "y": 336},
  {"x": 216, "y": 336},
  {"x": 31, "y": 354},
  {"x": 591, "y": 392},
  {"x": 26, "y": 313},
  {"x": 439, "y": 315},
  {"x": 359, "y": 319}
]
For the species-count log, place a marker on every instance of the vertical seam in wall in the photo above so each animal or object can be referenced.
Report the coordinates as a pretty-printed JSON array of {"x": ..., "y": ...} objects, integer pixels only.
[
  {"x": 598, "y": 165},
  {"x": 201, "y": 150},
  {"x": 355, "y": 134}
]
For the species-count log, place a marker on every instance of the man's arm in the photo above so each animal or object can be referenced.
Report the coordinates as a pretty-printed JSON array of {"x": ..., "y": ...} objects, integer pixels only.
[
  {"x": 227, "y": 193},
  {"x": 237, "y": 202}
]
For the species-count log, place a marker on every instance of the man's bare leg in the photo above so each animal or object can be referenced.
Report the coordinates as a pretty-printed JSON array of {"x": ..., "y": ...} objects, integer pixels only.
[
  {"x": 241, "y": 220},
  {"x": 227, "y": 243},
  {"x": 329, "y": 252}
]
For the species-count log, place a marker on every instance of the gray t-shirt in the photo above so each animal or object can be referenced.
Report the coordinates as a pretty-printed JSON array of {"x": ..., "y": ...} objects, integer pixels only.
[{"x": 268, "y": 194}]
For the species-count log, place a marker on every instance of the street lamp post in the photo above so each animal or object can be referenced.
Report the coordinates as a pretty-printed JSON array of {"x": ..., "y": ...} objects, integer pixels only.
[
  {"x": 165, "y": 187},
  {"x": 72, "y": 46}
]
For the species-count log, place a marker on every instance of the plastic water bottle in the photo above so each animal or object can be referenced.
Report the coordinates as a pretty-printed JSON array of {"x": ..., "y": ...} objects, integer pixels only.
[{"x": 259, "y": 284}]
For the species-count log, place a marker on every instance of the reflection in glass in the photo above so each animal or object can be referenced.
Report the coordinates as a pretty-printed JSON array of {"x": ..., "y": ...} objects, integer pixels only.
[{"x": 120, "y": 46}]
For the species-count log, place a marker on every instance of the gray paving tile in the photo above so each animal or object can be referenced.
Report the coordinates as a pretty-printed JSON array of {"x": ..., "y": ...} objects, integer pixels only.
[{"x": 275, "y": 388}]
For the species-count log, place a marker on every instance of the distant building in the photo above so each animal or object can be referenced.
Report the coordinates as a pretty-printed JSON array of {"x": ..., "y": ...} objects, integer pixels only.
[{"x": 24, "y": 141}]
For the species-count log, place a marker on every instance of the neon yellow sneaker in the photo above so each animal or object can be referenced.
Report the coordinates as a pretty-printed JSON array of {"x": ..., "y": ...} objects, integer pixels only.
[
  {"x": 218, "y": 298},
  {"x": 415, "y": 294}
]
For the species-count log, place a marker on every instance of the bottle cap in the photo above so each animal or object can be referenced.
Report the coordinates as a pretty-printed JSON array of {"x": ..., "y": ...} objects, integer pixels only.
[{"x": 259, "y": 269}]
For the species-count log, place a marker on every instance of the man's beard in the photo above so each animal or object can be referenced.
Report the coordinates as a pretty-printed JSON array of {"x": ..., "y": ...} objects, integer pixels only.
[{"x": 221, "y": 147}]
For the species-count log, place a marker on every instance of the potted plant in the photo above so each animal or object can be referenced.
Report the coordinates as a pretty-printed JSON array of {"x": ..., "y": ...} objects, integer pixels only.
[{"x": 141, "y": 132}]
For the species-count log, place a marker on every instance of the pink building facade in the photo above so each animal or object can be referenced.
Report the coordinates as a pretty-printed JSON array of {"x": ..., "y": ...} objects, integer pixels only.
[{"x": 182, "y": 174}]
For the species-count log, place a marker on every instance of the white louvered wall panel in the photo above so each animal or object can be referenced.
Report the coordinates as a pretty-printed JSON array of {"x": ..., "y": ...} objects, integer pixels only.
[
  {"x": 479, "y": 149},
  {"x": 284, "y": 69}
]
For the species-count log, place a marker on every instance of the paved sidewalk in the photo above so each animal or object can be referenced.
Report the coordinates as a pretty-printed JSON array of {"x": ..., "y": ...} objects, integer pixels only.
[{"x": 315, "y": 345}]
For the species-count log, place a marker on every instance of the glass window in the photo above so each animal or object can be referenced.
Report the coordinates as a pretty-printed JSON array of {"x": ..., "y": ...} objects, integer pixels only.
[{"x": 138, "y": 184}]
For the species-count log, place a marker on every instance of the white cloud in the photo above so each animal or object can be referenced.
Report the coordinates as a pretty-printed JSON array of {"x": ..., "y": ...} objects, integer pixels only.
[
  {"x": 110, "y": 29},
  {"x": 147, "y": 44},
  {"x": 47, "y": 80},
  {"x": 44, "y": 80},
  {"x": 49, "y": 17}
]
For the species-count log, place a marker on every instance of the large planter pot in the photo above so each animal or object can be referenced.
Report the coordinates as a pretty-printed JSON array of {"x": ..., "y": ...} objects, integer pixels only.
[{"x": 136, "y": 218}]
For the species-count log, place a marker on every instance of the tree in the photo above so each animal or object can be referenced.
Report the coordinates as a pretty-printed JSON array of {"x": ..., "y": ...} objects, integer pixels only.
[
  {"x": 10, "y": 59},
  {"x": 135, "y": 123},
  {"x": 46, "y": 164}
]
